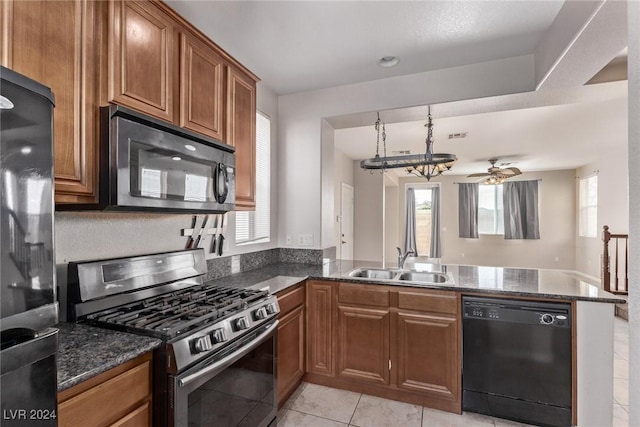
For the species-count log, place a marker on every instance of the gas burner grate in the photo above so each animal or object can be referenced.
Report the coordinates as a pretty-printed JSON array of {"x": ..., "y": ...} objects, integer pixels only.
[{"x": 174, "y": 313}]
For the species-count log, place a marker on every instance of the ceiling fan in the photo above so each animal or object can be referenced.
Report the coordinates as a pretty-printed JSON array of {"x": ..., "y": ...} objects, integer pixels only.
[{"x": 496, "y": 174}]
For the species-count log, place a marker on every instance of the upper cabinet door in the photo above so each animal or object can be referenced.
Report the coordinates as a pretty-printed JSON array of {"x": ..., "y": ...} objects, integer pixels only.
[
  {"x": 55, "y": 43},
  {"x": 201, "y": 88},
  {"x": 241, "y": 133},
  {"x": 142, "y": 58}
]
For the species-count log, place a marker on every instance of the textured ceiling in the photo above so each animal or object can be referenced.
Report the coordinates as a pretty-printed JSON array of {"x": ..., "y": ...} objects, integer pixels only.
[{"x": 295, "y": 46}]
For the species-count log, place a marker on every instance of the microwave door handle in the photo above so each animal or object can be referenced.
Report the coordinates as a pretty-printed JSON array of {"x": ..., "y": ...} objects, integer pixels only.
[
  {"x": 221, "y": 176},
  {"x": 215, "y": 368}
]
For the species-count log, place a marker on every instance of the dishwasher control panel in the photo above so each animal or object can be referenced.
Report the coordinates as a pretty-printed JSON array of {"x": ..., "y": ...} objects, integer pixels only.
[{"x": 528, "y": 312}]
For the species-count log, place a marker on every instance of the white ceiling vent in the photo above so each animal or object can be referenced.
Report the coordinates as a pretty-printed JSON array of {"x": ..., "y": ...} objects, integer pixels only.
[
  {"x": 401, "y": 152},
  {"x": 458, "y": 135}
]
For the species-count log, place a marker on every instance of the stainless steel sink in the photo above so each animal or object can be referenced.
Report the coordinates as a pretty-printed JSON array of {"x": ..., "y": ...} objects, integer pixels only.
[
  {"x": 374, "y": 273},
  {"x": 419, "y": 276},
  {"x": 398, "y": 276}
]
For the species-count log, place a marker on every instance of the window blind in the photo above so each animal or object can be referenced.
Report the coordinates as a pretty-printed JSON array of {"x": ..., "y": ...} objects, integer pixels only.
[
  {"x": 254, "y": 226},
  {"x": 588, "y": 218}
]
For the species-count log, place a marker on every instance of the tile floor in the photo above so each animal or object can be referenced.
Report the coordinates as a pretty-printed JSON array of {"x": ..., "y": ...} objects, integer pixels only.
[{"x": 316, "y": 406}]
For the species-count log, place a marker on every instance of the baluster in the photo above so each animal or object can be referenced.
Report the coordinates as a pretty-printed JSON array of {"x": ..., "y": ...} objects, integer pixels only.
[
  {"x": 616, "y": 282},
  {"x": 606, "y": 274}
]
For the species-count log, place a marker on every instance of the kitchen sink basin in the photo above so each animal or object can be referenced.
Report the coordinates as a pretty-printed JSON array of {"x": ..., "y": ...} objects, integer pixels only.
[
  {"x": 398, "y": 276},
  {"x": 374, "y": 273},
  {"x": 419, "y": 276}
]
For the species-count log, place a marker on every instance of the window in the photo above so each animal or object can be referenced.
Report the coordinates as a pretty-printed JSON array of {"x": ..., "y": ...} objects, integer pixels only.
[
  {"x": 423, "y": 220},
  {"x": 588, "y": 215},
  {"x": 490, "y": 209},
  {"x": 254, "y": 226}
]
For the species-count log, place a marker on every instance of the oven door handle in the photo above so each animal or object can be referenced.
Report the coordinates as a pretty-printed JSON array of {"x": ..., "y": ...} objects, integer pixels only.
[{"x": 230, "y": 359}]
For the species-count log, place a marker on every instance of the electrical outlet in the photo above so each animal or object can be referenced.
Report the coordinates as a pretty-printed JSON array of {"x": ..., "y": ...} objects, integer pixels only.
[
  {"x": 289, "y": 239},
  {"x": 305, "y": 240},
  {"x": 235, "y": 264}
]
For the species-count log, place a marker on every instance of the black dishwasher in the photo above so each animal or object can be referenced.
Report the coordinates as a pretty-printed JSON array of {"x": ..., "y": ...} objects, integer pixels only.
[{"x": 517, "y": 360}]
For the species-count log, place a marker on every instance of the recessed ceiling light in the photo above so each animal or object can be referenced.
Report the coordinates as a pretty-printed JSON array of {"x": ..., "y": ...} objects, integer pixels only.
[
  {"x": 176, "y": 158},
  {"x": 388, "y": 61}
]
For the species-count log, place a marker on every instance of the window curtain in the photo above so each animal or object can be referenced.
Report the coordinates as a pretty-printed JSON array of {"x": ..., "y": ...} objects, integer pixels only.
[
  {"x": 410, "y": 223},
  {"x": 435, "y": 250},
  {"x": 520, "y": 200},
  {"x": 468, "y": 210}
]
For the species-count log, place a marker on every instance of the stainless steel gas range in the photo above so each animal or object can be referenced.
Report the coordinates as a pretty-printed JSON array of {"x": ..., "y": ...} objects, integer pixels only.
[{"x": 217, "y": 364}]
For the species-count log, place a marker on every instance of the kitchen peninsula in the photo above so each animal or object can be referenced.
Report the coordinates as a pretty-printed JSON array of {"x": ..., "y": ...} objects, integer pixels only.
[{"x": 346, "y": 314}]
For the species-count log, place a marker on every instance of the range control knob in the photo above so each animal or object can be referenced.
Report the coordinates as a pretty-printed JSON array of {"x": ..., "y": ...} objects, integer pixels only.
[
  {"x": 202, "y": 344},
  {"x": 271, "y": 308},
  {"x": 547, "y": 319},
  {"x": 219, "y": 335},
  {"x": 260, "y": 313},
  {"x": 242, "y": 323}
]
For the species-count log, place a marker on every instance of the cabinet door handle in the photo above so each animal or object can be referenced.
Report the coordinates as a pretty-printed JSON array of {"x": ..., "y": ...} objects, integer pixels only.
[{"x": 389, "y": 364}]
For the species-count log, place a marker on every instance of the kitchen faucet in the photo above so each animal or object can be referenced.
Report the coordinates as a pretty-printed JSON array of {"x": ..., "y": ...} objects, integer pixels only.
[{"x": 403, "y": 257}]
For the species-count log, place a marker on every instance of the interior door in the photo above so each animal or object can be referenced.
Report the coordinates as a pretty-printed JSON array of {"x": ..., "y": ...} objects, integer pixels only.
[{"x": 346, "y": 223}]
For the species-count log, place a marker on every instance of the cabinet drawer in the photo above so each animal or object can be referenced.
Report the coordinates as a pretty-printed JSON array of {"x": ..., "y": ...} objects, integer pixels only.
[
  {"x": 139, "y": 417},
  {"x": 363, "y": 295},
  {"x": 110, "y": 401},
  {"x": 432, "y": 301},
  {"x": 290, "y": 299}
]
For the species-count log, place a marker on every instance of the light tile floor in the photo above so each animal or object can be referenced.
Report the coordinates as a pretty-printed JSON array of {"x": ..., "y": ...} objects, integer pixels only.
[{"x": 316, "y": 406}]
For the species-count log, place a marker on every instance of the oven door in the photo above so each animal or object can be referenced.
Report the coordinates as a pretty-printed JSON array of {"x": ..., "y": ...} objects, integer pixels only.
[
  {"x": 160, "y": 167},
  {"x": 235, "y": 387}
]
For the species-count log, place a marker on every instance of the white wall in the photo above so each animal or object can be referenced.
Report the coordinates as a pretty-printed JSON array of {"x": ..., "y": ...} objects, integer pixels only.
[
  {"x": 557, "y": 227},
  {"x": 392, "y": 214},
  {"x": 613, "y": 206},
  {"x": 634, "y": 212},
  {"x": 95, "y": 235},
  {"x": 300, "y": 127},
  {"x": 368, "y": 214}
]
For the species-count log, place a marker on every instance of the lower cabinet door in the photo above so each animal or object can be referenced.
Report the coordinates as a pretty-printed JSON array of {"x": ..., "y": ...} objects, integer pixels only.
[
  {"x": 290, "y": 353},
  {"x": 428, "y": 354},
  {"x": 363, "y": 344},
  {"x": 319, "y": 328}
]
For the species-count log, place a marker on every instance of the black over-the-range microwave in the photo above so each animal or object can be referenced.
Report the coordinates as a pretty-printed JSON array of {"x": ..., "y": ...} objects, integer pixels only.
[{"x": 149, "y": 165}]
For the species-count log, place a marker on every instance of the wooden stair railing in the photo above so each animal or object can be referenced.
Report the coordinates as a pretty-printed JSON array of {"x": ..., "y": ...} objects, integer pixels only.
[{"x": 620, "y": 283}]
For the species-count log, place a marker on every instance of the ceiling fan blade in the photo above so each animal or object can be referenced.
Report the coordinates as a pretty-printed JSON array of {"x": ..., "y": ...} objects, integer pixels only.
[
  {"x": 514, "y": 171},
  {"x": 477, "y": 175}
]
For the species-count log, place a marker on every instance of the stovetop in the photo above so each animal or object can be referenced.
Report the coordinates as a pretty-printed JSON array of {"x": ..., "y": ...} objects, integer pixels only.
[
  {"x": 168, "y": 315},
  {"x": 163, "y": 295}
]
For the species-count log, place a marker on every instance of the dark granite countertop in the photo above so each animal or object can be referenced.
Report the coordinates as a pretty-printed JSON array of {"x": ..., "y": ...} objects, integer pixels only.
[
  {"x": 539, "y": 283},
  {"x": 85, "y": 351}
]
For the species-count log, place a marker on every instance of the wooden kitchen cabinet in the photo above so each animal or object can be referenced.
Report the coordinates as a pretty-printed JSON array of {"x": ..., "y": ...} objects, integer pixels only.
[
  {"x": 428, "y": 354},
  {"x": 428, "y": 343},
  {"x": 291, "y": 351},
  {"x": 363, "y": 344},
  {"x": 395, "y": 342},
  {"x": 56, "y": 44},
  {"x": 320, "y": 327},
  {"x": 201, "y": 87},
  {"x": 119, "y": 397},
  {"x": 143, "y": 59},
  {"x": 241, "y": 133}
]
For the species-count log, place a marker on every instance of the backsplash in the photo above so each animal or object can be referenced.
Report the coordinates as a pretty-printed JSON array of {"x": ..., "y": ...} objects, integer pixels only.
[{"x": 220, "y": 267}]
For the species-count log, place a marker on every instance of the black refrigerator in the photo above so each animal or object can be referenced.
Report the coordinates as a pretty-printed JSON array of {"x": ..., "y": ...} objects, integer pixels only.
[{"x": 28, "y": 307}]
